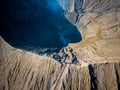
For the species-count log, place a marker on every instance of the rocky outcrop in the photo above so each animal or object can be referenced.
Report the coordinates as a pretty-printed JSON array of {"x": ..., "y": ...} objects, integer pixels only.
[{"x": 92, "y": 64}]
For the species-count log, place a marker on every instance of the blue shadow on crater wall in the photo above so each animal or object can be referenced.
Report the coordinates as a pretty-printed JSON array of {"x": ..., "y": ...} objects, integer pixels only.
[{"x": 36, "y": 23}]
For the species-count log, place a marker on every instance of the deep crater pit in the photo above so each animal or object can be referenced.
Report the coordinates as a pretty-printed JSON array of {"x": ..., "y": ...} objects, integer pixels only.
[{"x": 36, "y": 25}]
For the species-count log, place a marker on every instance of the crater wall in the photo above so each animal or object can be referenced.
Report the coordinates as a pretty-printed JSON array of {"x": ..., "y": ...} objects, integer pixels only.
[{"x": 92, "y": 64}]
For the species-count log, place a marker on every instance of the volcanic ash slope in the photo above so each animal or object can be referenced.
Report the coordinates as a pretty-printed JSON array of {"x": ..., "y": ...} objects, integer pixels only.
[{"x": 92, "y": 64}]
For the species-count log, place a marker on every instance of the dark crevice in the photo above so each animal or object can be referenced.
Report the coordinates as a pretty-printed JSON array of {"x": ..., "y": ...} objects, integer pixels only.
[
  {"x": 118, "y": 79},
  {"x": 93, "y": 78}
]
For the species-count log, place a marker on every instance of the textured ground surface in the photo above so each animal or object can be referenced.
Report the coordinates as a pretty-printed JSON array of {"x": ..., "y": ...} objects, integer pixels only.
[{"x": 92, "y": 64}]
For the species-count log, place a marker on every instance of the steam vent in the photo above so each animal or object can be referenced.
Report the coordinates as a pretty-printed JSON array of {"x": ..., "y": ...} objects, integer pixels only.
[{"x": 59, "y": 44}]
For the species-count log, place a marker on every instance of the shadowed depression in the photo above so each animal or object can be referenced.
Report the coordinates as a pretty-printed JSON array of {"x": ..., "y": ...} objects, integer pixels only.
[{"x": 36, "y": 24}]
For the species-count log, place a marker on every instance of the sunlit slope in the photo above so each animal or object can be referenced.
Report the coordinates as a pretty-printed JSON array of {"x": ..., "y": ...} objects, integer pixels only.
[
  {"x": 99, "y": 23},
  {"x": 27, "y": 71}
]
